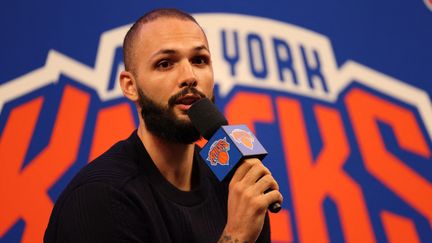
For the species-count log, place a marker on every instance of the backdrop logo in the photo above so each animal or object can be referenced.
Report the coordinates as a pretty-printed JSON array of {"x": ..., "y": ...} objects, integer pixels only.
[
  {"x": 351, "y": 147},
  {"x": 428, "y": 4}
]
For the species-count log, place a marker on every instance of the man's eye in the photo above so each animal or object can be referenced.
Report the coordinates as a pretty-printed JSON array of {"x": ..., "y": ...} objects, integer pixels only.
[
  {"x": 164, "y": 64},
  {"x": 200, "y": 60}
]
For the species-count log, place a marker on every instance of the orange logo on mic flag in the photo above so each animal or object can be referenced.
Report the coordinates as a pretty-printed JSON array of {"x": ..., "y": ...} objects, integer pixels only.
[
  {"x": 243, "y": 137},
  {"x": 218, "y": 153}
]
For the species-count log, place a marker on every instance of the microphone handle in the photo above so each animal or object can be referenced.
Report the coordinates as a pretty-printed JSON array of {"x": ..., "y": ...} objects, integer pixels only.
[{"x": 274, "y": 207}]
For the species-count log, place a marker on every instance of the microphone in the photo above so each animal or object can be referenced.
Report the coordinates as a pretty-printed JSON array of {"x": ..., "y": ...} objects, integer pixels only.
[{"x": 227, "y": 144}]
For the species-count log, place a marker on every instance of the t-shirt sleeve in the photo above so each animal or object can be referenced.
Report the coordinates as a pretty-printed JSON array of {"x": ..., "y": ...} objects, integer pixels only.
[{"x": 97, "y": 212}]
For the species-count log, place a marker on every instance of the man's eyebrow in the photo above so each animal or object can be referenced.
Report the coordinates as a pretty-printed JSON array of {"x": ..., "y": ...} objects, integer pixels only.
[
  {"x": 202, "y": 47},
  {"x": 164, "y": 51},
  {"x": 172, "y": 51}
]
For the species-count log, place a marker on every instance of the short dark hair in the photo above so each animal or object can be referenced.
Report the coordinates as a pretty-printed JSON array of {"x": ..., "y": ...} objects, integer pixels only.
[{"x": 129, "y": 40}]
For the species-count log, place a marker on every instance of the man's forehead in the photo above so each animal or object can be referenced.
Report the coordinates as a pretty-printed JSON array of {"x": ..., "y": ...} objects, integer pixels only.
[
  {"x": 171, "y": 27},
  {"x": 169, "y": 34}
]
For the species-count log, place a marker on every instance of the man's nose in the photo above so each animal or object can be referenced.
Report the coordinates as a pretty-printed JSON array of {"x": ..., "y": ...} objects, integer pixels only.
[{"x": 187, "y": 75}]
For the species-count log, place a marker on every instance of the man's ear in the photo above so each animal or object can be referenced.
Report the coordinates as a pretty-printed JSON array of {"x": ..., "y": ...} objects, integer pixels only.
[{"x": 128, "y": 85}]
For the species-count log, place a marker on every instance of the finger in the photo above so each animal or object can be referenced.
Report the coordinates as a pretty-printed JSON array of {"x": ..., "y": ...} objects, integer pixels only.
[
  {"x": 255, "y": 173},
  {"x": 266, "y": 183},
  {"x": 244, "y": 167},
  {"x": 272, "y": 197}
]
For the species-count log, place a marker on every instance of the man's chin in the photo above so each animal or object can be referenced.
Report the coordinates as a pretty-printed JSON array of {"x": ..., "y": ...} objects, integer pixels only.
[{"x": 181, "y": 115}]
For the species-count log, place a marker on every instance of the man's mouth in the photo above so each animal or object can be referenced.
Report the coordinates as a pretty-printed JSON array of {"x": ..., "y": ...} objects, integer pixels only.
[{"x": 186, "y": 101}]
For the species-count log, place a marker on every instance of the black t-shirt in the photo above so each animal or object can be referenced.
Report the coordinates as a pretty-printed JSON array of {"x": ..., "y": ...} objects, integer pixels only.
[{"x": 122, "y": 197}]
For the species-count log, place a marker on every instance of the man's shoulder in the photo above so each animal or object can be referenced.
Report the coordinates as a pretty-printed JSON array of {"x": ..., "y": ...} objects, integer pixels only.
[{"x": 114, "y": 167}]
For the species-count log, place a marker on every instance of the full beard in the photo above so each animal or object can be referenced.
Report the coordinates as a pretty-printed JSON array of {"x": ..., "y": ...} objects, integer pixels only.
[{"x": 162, "y": 121}]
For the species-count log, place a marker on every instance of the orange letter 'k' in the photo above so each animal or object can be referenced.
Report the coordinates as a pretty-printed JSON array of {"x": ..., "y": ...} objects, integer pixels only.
[{"x": 24, "y": 192}]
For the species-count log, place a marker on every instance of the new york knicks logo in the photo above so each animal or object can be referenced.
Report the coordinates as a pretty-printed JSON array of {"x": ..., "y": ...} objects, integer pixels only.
[
  {"x": 280, "y": 78},
  {"x": 243, "y": 137},
  {"x": 218, "y": 153}
]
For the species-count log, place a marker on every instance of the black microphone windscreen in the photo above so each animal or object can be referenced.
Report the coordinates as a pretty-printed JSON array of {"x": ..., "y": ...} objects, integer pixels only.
[{"x": 206, "y": 117}]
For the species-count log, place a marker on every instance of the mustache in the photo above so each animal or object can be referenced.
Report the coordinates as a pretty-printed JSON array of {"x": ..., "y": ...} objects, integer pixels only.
[{"x": 185, "y": 91}]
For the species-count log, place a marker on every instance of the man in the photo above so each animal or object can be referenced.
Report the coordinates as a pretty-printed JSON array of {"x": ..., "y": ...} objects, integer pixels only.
[{"x": 153, "y": 187}]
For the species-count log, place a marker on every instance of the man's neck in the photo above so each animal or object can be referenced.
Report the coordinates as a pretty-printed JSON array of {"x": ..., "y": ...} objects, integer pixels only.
[{"x": 174, "y": 160}]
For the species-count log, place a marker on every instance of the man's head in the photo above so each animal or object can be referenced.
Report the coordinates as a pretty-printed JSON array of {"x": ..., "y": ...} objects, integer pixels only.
[
  {"x": 168, "y": 67},
  {"x": 130, "y": 38}
]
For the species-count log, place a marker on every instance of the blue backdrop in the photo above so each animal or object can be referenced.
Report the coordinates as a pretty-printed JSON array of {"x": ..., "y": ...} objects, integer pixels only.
[{"x": 354, "y": 76}]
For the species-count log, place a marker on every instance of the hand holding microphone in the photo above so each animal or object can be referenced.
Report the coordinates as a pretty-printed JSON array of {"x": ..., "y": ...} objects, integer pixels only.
[{"x": 228, "y": 145}]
